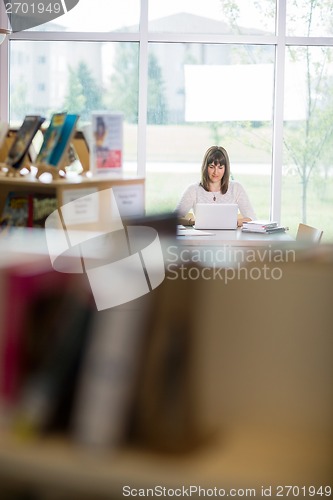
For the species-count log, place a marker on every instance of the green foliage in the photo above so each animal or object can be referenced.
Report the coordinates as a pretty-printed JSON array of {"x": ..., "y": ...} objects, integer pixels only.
[
  {"x": 157, "y": 107},
  {"x": 83, "y": 93},
  {"x": 307, "y": 142},
  {"x": 91, "y": 91},
  {"x": 123, "y": 94},
  {"x": 18, "y": 101},
  {"x": 74, "y": 100}
]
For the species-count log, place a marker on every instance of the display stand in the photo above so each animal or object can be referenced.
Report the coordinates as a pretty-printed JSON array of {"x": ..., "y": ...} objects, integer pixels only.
[
  {"x": 54, "y": 171},
  {"x": 15, "y": 172}
]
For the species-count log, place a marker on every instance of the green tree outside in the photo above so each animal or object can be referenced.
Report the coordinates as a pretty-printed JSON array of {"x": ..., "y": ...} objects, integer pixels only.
[
  {"x": 123, "y": 93},
  {"x": 83, "y": 95},
  {"x": 157, "y": 106},
  {"x": 18, "y": 101}
]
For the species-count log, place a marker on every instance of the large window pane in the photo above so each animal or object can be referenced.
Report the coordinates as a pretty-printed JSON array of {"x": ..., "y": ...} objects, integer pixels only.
[
  {"x": 201, "y": 95},
  {"x": 309, "y": 18},
  {"x": 212, "y": 16},
  {"x": 79, "y": 77},
  {"x": 307, "y": 194},
  {"x": 98, "y": 16}
]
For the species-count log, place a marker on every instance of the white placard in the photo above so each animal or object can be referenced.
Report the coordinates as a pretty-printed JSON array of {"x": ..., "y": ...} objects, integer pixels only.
[
  {"x": 80, "y": 205},
  {"x": 130, "y": 199}
]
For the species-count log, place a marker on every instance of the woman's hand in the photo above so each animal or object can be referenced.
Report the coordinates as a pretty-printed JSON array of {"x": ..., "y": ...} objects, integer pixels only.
[
  {"x": 240, "y": 220},
  {"x": 186, "y": 221}
]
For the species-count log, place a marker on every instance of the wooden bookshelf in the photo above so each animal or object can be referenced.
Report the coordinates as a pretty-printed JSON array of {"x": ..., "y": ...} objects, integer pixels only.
[
  {"x": 274, "y": 378},
  {"x": 71, "y": 186},
  {"x": 242, "y": 458}
]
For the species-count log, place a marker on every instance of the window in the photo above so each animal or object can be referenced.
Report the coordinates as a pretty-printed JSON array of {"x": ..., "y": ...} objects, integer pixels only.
[
  {"x": 240, "y": 17},
  {"x": 197, "y": 98},
  {"x": 307, "y": 18},
  {"x": 97, "y": 16},
  {"x": 82, "y": 77},
  {"x": 255, "y": 77},
  {"x": 307, "y": 189}
]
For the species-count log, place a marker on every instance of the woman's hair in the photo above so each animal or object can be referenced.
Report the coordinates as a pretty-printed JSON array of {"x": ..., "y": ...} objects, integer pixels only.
[{"x": 212, "y": 154}]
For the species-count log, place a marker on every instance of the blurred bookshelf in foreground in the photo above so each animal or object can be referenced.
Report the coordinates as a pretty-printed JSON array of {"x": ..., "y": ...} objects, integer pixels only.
[{"x": 148, "y": 394}]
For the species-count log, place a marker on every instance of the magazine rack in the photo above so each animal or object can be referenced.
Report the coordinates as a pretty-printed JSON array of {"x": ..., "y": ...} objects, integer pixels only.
[
  {"x": 76, "y": 151},
  {"x": 15, "y": 172},
  {"x": 4, "y": 149},
  {"x": 54, "y": 171}
]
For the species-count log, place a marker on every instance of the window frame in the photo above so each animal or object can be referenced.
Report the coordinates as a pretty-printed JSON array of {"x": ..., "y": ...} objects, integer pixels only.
[{"x": 280, "y": 41}]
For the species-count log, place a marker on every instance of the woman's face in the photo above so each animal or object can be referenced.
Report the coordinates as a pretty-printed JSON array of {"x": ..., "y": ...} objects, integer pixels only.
[{"x": 215, "y": 171}]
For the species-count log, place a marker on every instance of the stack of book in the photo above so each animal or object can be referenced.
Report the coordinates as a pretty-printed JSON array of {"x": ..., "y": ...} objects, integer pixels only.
[{"x": 263, "y": 226}]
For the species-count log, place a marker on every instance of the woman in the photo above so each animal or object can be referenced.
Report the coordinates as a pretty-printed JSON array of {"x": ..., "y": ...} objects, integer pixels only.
[{"x": 215, "y": 187}]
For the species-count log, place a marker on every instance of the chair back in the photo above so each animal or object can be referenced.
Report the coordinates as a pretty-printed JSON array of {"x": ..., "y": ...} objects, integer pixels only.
[{"x": 308, "y": 233}]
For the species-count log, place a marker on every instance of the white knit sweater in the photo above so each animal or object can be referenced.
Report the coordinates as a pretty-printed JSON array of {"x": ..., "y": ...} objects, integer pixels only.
[{"x": 195, "y": 193}]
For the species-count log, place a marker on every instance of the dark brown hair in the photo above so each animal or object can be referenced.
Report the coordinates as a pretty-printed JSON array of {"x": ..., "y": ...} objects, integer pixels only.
[{"x": 212, "y": 154}]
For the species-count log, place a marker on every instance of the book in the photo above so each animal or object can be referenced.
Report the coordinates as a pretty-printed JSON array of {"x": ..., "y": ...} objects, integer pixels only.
[
  {"x": 259, "y": 224},
  {"x": 21, "y": 284},
  {"x": 58, "y": 325},
  {"x": 269, "y": 230},
  {"x": 3, "y": 132},
  {"x": 42, "y": 206},
  {"x": 278, "y": 229},
  {"x": 104, "y": 401},
  {"x": 106, "y": 142},
  {"x": 177, "y": 405},
  {"x": 27, "y": 209},
  {"x": 51, "y": 138},
  {"x": 63, "y": 142},
  {"x": 44, "y": 328},
  {"x": 80, "y": 145},
  {"x": 23, "y": 140},
  {"x": 17, "y": 211}
]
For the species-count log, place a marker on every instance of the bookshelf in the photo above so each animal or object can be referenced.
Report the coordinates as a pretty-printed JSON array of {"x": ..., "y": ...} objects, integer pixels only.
[
  {"x": 273, "y": 377},
  {"x": 67, "y": 188},
  {"x": 244, "y": 462},
  {"x": 71, "y": 187}
]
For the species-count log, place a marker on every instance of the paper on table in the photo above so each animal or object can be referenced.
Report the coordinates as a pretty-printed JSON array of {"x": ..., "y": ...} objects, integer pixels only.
[{"x": 193, "y": 232}]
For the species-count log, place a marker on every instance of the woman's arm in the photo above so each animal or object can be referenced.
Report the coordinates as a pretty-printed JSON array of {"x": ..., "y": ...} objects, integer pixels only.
[
  {"x": 185, "y": 204},
  {"x": 244, "y": 205}
]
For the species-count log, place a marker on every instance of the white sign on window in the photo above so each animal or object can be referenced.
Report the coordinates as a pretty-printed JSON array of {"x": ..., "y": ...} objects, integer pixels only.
[{"x": 229, "y": 92}]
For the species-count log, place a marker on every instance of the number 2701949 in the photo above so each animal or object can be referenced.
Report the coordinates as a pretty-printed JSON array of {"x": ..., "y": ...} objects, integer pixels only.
[
  {"x": 303, "y": 491},
  {"x": 33, "y": 8}
]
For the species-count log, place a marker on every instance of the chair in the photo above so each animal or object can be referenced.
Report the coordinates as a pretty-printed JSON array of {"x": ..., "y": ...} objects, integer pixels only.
[{"x": 308, "y": 233}]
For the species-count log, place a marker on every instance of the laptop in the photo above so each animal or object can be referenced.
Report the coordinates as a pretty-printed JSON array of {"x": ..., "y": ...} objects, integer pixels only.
[{"x": 216, "y": 216}]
